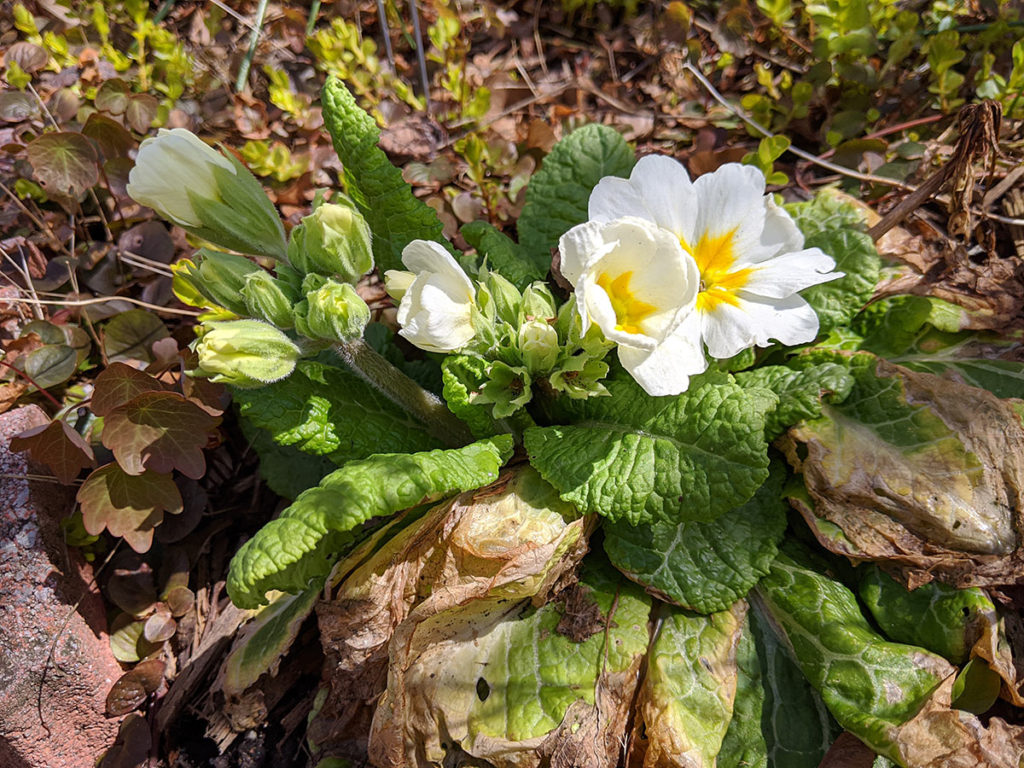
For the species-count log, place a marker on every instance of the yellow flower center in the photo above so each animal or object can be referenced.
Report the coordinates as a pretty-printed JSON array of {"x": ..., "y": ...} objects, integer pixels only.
[
  {"x": 629, "y": 310},
  {"x": 719, "y": 281}
]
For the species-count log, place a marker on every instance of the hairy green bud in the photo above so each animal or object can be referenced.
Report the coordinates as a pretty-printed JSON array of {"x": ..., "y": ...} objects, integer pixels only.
[
  {"x": 244, "y": 353},
  {"x": 333, "y": 240},
  {"x": 216, "y": 276},
  {"x": 333, "y": 312},
  {"x": 267, "y": 298}
]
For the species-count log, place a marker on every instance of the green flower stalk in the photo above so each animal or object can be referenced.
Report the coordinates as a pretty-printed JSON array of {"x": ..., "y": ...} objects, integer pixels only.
[
  {"x": 210, "y": 194},
  {"x": 244, "y": 353},
  {"x": 333, "y": 240}
]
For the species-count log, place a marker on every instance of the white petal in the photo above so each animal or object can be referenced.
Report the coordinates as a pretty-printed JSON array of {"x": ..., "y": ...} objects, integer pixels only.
[
  {"x": 427, "y": 256},
  {"x": 580, "y": 247},
  {"x": 666, "y": 370},
  {"x": 781, "y": 234},
  {"x": 731, "y": 200},
  {"x": 791, "y": 272},
  {"x": 658, "y": 190},
  {"x": 728, "y": 330},
  {"x": 433, "y": 320}
]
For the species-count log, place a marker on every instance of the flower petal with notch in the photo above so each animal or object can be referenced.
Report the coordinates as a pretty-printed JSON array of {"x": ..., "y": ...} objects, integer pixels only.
[
  {"x": 748, "y": 250},
  {"x": 636, "y": 283}
]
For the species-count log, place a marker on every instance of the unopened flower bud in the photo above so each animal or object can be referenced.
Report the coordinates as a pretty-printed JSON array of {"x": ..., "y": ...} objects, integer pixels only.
[
  {"x": 333, "y": 240},
  {"x": 538, "y": 302},
  {"x": 244, "y": 353},
  {"x": 267, "y": 298},
  {"x": 505, "y": 297},
  {"x": 216, "y": 276},
  {"x": 538, "y": 346},
  {"x": 334, "y": 312},
  {"x": 208, "y": 193}
]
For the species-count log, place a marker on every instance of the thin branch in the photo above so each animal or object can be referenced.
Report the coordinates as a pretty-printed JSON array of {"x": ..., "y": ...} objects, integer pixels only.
[
  {"x": 254, "y": 40},
  {"x": 30, "y": 380},
  {"x": 104, "y": 300}
]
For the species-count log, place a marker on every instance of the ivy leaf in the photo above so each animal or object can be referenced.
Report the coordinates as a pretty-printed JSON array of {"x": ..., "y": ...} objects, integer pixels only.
[
  {"x": 64, "y": 163},
  {"x": 117, "y": 384},
  {"x": 159, "y": 431},
  {"x": 558, "y": 194},
  {"x": 130, "y": 335},
  {"x": 871, "y": 686},
  {"x": 130, "y": 506},
  {"x": 58, "y": 446},
  {"x": 708, "y": 566},
  {"x": 837, "y": 228},
  {"x": 327, "y": 411},
  {"x": 303, "y": 542},
  {"x": 800, "y": 392},
  {"x": 641, "y": 459},
  {"x": 396, "y": 217}
]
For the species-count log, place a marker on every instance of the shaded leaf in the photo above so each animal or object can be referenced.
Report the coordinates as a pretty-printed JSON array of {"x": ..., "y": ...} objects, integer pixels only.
[
  {"x": 130, "y": 335},
  {"x": 50, "y": 365},
  {"x": 134, "y": 686},
  {"x": 160, "y": 626},
  {"x": 29, "y": 56},
  {"x": 159, "y": 431},
  {"x": 127, "y": 505},
  {"x": 140, "y": 111},
  {"x": 64, "y": 162},
  {"x": 127, "y": 643},
  {"x": 744, "y": 744},
  {"x": 58, "y": 446},
  {"x": 976, "y": 687},
  {"x": 16, "y": 106},
  {"x": 113, "y": 96},
  {"x": 110, "y": 136}
]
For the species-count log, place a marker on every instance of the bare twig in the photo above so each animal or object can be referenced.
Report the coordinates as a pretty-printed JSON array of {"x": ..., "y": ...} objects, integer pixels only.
[
  {"x": 104, "y": 300},
  {"x": 254, "y": 40}
]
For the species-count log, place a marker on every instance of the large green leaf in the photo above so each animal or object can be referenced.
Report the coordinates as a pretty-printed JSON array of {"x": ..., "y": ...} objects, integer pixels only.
[
  {"x": 286, "y": 470},
  {"x": 871, "y": 686},
  {"x": 797, "y": 726},
  {"x": 686, "y": 700},
  {"x": 504, "y": 255},
  {"x": 800, "y": 392},
  {"x": 637, "y": 458},
  {"x": 328, "y": 411},
  {"x": 396, "y": 217},
  {"x": 558, "y": 194},
  {"x": 935, "y": 616},
  {"x": 744, "y": 744},
  {"x": 837, "y": 228},
  {"x": 922, "y": 334},
  {"x": 708, "y": 566},
  {"x": 304, "y": 541}
]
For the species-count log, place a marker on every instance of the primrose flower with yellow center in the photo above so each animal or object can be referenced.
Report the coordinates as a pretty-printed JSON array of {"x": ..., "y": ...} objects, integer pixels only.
[
  {"x": 636, "y": 283},
  {"x": 747, "y": 249}
]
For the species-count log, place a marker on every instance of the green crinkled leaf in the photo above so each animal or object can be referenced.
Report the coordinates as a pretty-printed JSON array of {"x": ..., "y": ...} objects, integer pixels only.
[
  {"x": 327, "y": 411},
  {"x": 640, "y": 459},
  {"x": 871, "y": 686},
  {"x": 688, "y": 691},
  {"x": 935, "y": 616},
  {"x": 558, "y": 193},
  {"x": 922, "y": 334},
  {"x": 286, "y": 470},
  {"x": 800, "y": 392},
  {"x": 708, "y": 566},
  {"x": 396, "y": 217},
  {"x": 795, "y": 723},
  {"x": 304, "y": 541},
  {"x": 504, "y": 255},
  {"x": 836, "y": 228},
  {"x": 463, "y": 375},
  {"x": 744, "y": 744}
]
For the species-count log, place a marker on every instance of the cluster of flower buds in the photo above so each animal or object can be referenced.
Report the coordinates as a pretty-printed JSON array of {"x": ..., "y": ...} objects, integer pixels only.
[
  {"x": 310, "y": 291},
  {"x": 524, "y": 336}
]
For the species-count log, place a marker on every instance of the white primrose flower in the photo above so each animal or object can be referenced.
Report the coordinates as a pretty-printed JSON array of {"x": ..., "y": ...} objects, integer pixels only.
[
  {"x": 437, "y": 298},
  {"x": 636, "y": 283},
  {"x": 749, "y": 251}
]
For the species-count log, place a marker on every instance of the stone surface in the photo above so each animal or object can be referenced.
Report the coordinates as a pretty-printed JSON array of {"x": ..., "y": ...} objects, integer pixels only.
[{"x": 54, "y": 720}]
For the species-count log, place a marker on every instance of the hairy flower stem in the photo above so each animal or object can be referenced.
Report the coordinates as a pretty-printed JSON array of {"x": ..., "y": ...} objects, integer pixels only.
[{"x": 404, "y": 392}]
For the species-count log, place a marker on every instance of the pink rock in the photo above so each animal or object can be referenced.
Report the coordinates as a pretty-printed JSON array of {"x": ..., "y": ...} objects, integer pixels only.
[{"x": 63, "y": 725}]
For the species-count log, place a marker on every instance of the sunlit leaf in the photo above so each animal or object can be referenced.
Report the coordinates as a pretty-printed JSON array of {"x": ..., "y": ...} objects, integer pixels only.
[
  {"x": 127, "y": 505},
  {"x": 58, "y": 446},
  {"x": 117, "y": 384},
  {"x": 134, "y": 686}
]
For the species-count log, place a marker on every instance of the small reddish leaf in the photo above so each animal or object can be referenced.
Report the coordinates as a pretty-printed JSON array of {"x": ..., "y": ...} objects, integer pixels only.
[
  {"x": 113, "y": 96},
  {"x": 130, "y": 586},
  {"x": 64, "y": 104},
  {"x": 140, "y": 111},
  {"x": 159, "y": 431},
  {"x": 29, "y": 56},
  {"x": 129, "y": 335},
  {"x": 57, "y": 446},
  {"x": 180, "y": 601},
  {"x": 134, "y": 686},
  {"x": 110, "y": 136},
  {"x": 208, "y": 395},
  {"x": 127, "y": 505},
  {"x": 131, "y": 749},
  {"x": 64, "y": 162},
  {"x": 160, "y": 626},
  {"x": 119, "y": 383}
]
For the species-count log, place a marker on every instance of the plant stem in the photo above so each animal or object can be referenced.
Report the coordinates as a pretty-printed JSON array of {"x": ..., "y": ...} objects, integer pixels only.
[
  {"x": 254, "y": 39},
  {"x": 29, "y": 379},
  {"x": 404, "y": 392}
]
